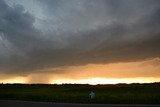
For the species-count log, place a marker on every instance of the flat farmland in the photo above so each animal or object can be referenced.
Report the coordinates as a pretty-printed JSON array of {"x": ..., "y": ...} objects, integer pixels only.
[{"x": 77, "y": 93}]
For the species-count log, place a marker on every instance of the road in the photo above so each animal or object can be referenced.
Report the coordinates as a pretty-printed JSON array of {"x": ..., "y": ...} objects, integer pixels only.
[{"x": 8, "y": 103}]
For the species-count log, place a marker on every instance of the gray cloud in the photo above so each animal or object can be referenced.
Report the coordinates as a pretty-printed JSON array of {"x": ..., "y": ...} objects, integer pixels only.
[{"x": 77, "y": 32}]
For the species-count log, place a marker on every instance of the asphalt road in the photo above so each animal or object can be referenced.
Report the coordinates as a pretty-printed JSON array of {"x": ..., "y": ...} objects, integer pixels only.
[{"x": 4, "y": 103}]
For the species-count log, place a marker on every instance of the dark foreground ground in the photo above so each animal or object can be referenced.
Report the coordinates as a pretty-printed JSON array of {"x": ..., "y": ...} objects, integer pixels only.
[
  {"x": 49, "y": 104},
  {"x": 67, "y": 93}
]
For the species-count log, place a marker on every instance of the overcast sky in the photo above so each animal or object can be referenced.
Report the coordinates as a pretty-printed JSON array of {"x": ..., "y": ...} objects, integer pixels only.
[{"x": 36, "y": 35}]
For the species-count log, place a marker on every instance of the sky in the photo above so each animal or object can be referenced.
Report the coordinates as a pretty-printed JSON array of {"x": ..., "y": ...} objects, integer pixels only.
[{"x": 79, "y": 41}]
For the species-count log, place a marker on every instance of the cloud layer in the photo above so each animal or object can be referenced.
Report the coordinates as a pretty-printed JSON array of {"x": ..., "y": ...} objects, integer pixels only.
[{"x": 77, "y": 32}]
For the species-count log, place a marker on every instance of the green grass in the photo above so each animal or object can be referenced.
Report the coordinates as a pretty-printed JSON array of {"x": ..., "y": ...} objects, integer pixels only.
[{"x": 117, "y": 94}]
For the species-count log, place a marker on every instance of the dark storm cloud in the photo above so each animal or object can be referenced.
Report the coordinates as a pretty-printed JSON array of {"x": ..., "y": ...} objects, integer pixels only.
[
  {"x": 17, "y": 35},
  {"x": 78, "y": 32}
]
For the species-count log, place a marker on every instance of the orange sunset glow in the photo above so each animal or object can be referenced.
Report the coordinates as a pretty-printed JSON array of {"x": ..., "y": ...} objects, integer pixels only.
[{"x": 131, "y": 72}]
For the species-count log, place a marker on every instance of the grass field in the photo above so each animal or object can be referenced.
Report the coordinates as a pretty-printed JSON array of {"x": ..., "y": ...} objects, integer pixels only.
[{"x": 68, "y": 93}]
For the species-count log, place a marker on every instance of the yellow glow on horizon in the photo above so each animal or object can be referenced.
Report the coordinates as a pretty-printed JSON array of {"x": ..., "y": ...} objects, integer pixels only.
[
  {"x": 14, "y": 80},
  {"x": 94, "y": 81},
  {"x": 91, "y": 81},
  {"x": 145, "y": 71}
]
